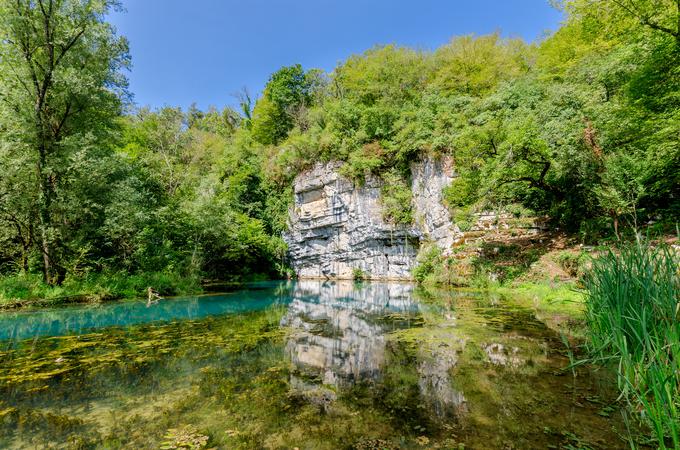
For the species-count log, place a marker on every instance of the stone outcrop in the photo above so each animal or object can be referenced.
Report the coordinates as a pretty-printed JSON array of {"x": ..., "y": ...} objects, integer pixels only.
[
  {"x": 337, "y": 230},
  {"x": 432, "y": 217}
]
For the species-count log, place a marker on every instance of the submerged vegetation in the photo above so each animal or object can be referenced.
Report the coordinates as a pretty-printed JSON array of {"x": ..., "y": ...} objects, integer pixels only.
[
  {"x": 622, "y": 302},
  {"x": 146, "y": 363},
  {"x": 447, "y": 371}
]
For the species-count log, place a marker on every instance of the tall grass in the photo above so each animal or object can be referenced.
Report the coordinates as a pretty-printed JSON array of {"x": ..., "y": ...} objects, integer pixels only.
[{"x": 633, "y": 317}]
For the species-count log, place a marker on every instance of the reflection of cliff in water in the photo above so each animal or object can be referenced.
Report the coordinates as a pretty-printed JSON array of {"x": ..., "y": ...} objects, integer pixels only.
[{"x": 340, "y": 328}]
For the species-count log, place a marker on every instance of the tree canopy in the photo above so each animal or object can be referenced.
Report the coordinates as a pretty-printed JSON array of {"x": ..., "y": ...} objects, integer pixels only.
[{"x": 583, "y": 127}]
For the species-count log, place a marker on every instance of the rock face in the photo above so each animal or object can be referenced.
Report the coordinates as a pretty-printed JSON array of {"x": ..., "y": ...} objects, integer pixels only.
[
  {"x": 336, "y": 227},
  {"x": 429, "y": 178}
]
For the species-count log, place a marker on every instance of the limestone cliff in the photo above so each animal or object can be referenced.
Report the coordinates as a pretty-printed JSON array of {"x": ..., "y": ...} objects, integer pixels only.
[
  {"x": 336, "y": 226},
  {"x": 432, "y": 217}
]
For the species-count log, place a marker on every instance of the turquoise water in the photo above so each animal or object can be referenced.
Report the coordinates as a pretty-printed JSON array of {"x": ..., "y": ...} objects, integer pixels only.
[
  {"x": 81, "y": 319},
  {"x": 310, "y": 364}
]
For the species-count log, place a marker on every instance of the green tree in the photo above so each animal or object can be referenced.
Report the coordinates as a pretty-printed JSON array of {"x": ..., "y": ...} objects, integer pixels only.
[
  {"x": 60, "y": 68},
  {"x": 284, "y": 104},
  {"x": 390, "y": 74},
  {"x": 660, "y": 16},
  {"x": 475, "y": 65},
  {"x": 17, "y": 210},
  {"x": 159, "y": 139}
]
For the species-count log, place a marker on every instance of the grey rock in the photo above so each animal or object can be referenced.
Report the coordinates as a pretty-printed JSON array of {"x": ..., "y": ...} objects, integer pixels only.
[
  {"x": 429, "y": 178},
  {"x": 337, "y": 226}
]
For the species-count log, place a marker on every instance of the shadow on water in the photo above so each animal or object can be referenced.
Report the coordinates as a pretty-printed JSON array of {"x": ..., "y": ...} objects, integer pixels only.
[{"x": 306, "y": 364}]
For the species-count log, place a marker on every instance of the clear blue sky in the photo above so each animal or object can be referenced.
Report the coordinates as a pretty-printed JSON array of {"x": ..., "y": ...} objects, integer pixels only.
[{"x": 203, "y": 51}]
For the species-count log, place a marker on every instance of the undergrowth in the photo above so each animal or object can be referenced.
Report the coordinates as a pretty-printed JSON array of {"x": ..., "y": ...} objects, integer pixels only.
[{"x": 18, "y": 289}]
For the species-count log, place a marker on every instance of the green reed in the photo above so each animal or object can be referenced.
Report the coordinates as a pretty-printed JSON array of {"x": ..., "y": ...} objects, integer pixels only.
[{"x": 634, "y": 324}]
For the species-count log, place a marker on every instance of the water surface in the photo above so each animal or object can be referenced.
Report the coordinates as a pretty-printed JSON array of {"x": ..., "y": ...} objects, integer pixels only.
[
  {"x": 306, "y": 364},
  {"x": 76, "y": 319}
]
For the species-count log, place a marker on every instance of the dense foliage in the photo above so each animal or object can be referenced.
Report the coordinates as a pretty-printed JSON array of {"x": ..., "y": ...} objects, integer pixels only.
[
  {"x": 87, "y": 189},
  {"x": 583, "y": 126}
]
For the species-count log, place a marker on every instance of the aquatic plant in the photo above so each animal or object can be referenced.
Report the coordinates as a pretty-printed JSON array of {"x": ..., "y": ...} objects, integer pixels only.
[
  {"x": 138, "y": 386},
  {"x": 375, "y": 444},
  {"x": 633, "y": 313},
  {"x": 187, "y": 437}
]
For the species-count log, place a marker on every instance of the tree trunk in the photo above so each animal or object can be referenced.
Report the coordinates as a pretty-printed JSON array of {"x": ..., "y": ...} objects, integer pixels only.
[
  {"x": 24, "y": 262},
  {"x": 616, "y": 227},
  {"x": 45, "y": 218}
]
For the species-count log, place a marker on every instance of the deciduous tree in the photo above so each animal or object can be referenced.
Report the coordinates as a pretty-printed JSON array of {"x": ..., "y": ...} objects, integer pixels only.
[{"x": 60, "y": 70}]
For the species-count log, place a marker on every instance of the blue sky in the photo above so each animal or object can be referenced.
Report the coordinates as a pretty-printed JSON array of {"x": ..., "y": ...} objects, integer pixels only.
[{"x": 203, "y": 51}]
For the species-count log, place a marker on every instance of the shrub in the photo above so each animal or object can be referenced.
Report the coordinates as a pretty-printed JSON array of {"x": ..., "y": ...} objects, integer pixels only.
[
  {"x": 464, "y": 218},
  {"x": 366, "y": 160},
  {"x": 97, "y": 286},
  {"x": 429, "y": 259},
  {"x": 462, "y": 191},
  {"x": 396, "y": 199},
  {"x": 572, "y": 263}
]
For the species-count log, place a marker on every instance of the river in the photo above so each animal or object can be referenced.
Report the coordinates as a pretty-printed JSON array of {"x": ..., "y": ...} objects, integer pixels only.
[{"x": 307, "y": 365}]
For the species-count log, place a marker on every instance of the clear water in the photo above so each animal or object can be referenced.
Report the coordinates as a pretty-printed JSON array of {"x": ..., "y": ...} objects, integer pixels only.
[
  {"x": 306, "y": 364},
  {"x": 81, "y": 319}
]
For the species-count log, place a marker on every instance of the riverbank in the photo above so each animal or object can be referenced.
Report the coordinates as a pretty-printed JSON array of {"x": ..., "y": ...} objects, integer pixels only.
[
  {"x": 621, "y": 313},
  {"x": 29, "y": 290}
]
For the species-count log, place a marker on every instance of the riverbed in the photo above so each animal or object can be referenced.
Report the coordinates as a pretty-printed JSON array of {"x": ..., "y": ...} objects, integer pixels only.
[{"x": 307, "y": 365}]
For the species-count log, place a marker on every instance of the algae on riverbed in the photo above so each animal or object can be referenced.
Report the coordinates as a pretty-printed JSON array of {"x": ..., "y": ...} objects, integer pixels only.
[{"x": 333, "y": 365}]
